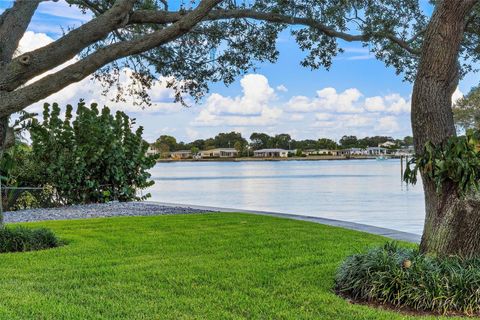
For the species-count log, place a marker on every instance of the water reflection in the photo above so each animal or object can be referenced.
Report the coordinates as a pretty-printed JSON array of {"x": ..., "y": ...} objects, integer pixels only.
[{"x": 364, "y": 191}]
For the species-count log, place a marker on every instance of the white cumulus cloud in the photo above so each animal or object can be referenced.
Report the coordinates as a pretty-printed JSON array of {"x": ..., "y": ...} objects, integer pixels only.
[
  {"x": 397, "y": 104},
  {"x": 31, "y": 41},
  {"x": 328, "y": 99},
  {"x": 387, "y": 125},
  {"x": 253, "y": 107},
  {"x": 457, "y": 95},
  {"x": 349, "y": 101},
  {"x": 375, "y": 104}
]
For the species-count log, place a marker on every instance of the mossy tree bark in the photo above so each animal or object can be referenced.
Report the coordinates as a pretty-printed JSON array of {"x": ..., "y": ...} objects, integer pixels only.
[
  {"x": 452, "y": 223},
  {"x": 3, "y": 134}
]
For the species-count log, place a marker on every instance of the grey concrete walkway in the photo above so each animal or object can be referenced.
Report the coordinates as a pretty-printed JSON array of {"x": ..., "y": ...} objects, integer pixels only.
[{"x": 389, "y": 233}]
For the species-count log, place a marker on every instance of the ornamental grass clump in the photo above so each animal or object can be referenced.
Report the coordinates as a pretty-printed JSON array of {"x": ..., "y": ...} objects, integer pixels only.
[
  {"x": 403, "y": 277},
  {"x": 20, "y": 239}
]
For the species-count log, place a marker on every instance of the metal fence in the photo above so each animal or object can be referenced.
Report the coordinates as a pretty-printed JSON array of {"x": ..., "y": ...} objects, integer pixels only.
[
  {"x": 17, "y": 198},
  {"x": 14, "y": 198}
]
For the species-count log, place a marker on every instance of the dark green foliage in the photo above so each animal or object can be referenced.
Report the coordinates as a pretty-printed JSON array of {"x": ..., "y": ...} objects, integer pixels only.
[
  {"x": 349, "y": 142},
  {"x": 218, "y": 50},
  {"x": 407, "y": 141},
  {"x": 228, "y": 140},
  {"x": 353, "y": 142},
  {"x": 375, "y": 19},
  {"x": 405, "y": 278},
  {"x": 260, "y": 141},
  {"x": 458, "y": 160},
  {"x": 26, "y": 200},
  {"x": 325, "y": 143},
  {"x": 19, "y": 171},
  {"x": 166, "y": 144},
  {"x": 95, "y": 158},
  {"x": 215, "y": 51},
  {"x": 19, "y": 239},
  {"x": 284, "y": 141},
  {"x": 466, "y": 111},
  {"x": 16, "y": 166}
]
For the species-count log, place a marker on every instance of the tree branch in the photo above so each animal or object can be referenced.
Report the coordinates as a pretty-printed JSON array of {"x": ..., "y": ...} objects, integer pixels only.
[
  {"x": 11, "y": 102},
  {"x": 34, "y": 63},
  {"x": 164, "y": 17},
  {"x": 13, "y": 23}
]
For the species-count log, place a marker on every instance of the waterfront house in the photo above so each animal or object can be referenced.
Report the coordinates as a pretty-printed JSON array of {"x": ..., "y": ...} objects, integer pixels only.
[
  {"x": 333, "y": 152},
  {"x": 351, "y": 152},
  {"x": 317, "y": 152},
  {"x": 376, "y": 151},
  {"x": 387, "y": 144},
  {"x": 151, "y": 151},
  {"x": 219, "y": 153},
  {"x": 181, "y": 154},
  {"x": 271, "y": 153}
]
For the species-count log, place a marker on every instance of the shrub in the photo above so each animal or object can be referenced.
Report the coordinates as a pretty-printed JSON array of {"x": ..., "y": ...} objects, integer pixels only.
[
  {"x": 405, "y": 278},
  {"x": 95, "y": 156},
  {"x": 25, "y": 201},
  {"x": 20, "y": 239}
]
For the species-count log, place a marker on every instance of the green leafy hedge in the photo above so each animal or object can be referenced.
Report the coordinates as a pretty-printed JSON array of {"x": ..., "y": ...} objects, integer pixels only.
[
  {"x": 403, "y": 277},
  {"x": 19, "y": 239},
  {"x": 92, "y": 157}
]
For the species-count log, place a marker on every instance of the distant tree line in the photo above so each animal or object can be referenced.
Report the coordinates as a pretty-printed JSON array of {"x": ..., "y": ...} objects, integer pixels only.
[
  {"x": 258, "y": 140},
  {"x": 354, "y": 142}
]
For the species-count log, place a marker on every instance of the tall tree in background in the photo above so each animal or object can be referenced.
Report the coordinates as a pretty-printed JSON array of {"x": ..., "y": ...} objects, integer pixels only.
[
  {"x": 151, "y": 39},
  {"x": 228, "y": 140},
  {"x": 466, "y": 111},
  {"x": 349, "y": 142},
  {"x": 324, "y": 143},
  {"x": 281, "y": 141},
  {"x": 260, "y": 141},
  {"x": 166, "y": 144}
]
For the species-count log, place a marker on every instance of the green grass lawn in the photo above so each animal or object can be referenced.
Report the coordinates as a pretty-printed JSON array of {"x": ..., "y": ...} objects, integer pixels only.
[{"x": 213, "y": 266}]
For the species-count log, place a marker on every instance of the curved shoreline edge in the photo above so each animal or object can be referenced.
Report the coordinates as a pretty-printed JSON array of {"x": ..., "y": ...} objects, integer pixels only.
[
  {"x": 155, "y": 208},
  {"x": 385, "y": 232}
]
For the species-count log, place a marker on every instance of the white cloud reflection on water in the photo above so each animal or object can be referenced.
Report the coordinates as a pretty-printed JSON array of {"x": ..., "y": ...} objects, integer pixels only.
[{"x": 363, "y": 191}]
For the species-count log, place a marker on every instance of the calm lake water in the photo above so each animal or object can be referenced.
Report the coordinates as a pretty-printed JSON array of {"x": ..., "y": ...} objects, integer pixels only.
[{"x": 364, "y": 191}]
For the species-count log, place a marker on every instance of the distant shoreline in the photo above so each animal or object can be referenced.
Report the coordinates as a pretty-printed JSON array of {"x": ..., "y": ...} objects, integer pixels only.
[{"x": 309, "y": 158}]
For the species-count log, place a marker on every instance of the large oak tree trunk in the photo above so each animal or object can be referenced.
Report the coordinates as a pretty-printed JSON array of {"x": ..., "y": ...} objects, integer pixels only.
[
  {"x": 3, "y": 133},
  {"x": 3, "y": 145},
  {"x": 452, "y": 223},
  {"x": 7, "y": 136}
]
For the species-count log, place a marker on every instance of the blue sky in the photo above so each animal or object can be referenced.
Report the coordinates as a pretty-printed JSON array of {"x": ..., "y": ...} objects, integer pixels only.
[{"x": 358, "y": 95}]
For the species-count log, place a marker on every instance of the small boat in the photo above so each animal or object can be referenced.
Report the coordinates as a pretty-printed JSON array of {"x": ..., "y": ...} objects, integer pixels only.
[{"x": 381, "y": 158}]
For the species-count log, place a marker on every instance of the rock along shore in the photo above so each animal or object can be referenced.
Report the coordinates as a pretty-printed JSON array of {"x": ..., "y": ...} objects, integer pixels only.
[{"x": 112, "y": 209}]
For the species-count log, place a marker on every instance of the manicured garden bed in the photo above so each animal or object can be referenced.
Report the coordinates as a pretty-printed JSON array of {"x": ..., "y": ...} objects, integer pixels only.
[{"x": 209, "y": 266}]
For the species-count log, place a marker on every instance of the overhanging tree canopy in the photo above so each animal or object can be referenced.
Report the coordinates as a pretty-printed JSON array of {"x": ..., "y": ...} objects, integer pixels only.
[{"x": 151, "y": 38}]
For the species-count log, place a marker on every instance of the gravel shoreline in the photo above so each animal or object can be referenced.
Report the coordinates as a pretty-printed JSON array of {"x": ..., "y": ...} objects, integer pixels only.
[{"x": 112, "y": 209}]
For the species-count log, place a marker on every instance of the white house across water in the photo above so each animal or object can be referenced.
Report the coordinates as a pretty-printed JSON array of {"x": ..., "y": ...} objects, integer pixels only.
[
  {"x": 376, "y": 151},
  {"x": 219, "y": 153},
  {"x": 271, "y": 153}
]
